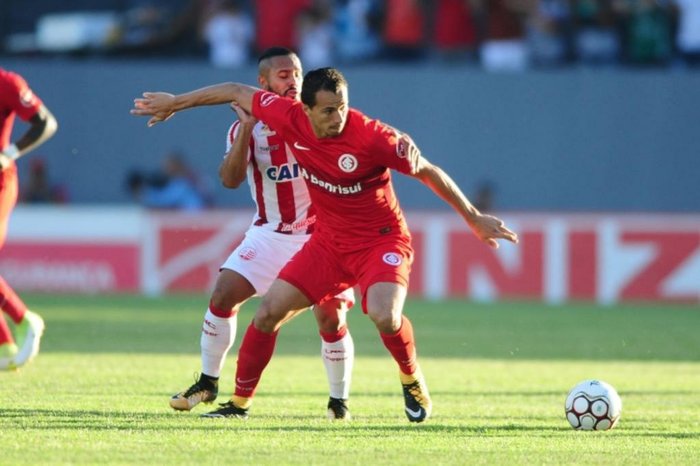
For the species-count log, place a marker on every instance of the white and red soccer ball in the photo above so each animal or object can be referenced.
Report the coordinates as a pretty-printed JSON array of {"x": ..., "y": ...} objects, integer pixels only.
[{"x": 593, "y": 405}]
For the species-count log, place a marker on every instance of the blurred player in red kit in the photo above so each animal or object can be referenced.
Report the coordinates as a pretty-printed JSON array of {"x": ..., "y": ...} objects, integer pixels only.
[
  {"x": 361, "y": 236},
  {"x": 283, "y": 222},
  {"x": 17, "y": 99}
]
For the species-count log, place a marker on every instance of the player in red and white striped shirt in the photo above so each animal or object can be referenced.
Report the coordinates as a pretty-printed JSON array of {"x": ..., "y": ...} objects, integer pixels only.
[
  {"x": 283, "y": 222},
  {"x": 17, "y": 99},
  {"x": 361, "y": 235}
]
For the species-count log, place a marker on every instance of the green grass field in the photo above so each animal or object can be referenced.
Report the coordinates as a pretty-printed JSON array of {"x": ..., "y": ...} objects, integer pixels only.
[{"x": 498, "y": 374}]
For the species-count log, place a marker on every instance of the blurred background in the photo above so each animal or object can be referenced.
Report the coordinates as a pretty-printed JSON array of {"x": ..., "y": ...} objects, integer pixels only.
[{"x": 576, "y": 120}]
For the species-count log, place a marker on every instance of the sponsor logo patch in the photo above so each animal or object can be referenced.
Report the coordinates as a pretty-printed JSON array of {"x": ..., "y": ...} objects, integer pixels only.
[
  {"x": 267, "y": 99},
  {"x": 402, "y": 149}
]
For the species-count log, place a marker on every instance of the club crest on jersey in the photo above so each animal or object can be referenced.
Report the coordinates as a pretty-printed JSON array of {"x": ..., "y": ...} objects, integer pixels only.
[
  {"x": 247, "y": 253},
  {"x": 392, "y": 258},
  {"x": 347, "y": 163},
  {"x": 267, "y": 99},
  {"x": 284, "y": 172}
]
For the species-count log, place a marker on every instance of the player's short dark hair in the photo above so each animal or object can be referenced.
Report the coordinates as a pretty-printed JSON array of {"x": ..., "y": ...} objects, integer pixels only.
[
  {"x": 275, "y": 52},
  {"x": 322, "y": 79}
]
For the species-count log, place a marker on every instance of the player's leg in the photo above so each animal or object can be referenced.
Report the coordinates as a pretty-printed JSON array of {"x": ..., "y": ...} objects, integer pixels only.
[
  {"x": 29, "y": 325},
  {"x": 218, "y": 334},
  {"x": 249, "y": 270},
  {"x": 384, "y": 303},
  {"x": 385, "y": 270},
  {"x": 337, "y": 351},
  {"x": 281, "y": 303}
]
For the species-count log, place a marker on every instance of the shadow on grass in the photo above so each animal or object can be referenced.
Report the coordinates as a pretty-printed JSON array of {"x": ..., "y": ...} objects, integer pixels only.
[{"x": 46, "y": 419}]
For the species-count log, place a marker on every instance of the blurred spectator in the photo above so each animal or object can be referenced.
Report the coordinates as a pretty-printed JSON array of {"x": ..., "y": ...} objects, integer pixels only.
[
  {"x": 275, "y": 22},
  {"x": 648, "y": 37},
  {"x": 228, "y": 31},
  {"x": 38, "y": 188},
  {"x": 358, "y": 23},
  {"x": 597, "y": 39},
  {"x": 315, "y": 35},
  {"x": 162, "y": 27},
  {"x": 175, "y": 187},
  {"x": 688, "y": 33},
  {"x": 454, "y": 29},
  {"x": 404, "y": 30},
  {"x": 504, "y": 47},
  {"x": 548, "y": 27}
]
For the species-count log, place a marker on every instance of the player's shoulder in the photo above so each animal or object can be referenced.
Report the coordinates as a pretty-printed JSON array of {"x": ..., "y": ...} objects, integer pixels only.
[
  {"x": 10, "y": 79},
  {"x": 363, "y": 124}
]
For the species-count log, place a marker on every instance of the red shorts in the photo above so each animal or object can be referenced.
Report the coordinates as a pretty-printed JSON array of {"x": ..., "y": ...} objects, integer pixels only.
[
  {"x": 320, "y": 272},
  {"x": 8, "y": 198}
]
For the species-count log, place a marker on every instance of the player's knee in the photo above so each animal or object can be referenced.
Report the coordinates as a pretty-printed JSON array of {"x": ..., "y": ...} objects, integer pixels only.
[
  {"x": 266, "y": 317},
  {"x": 329, "y": 323},
  {"x": 386, "y": 321},
  {"x": 221, "y": 300}
]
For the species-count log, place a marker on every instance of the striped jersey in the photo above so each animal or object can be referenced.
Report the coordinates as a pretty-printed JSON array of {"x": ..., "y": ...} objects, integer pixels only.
[{"x": 276, "y": 185}]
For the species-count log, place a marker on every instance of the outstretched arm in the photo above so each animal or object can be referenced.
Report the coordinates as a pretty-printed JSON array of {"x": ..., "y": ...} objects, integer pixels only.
[
  {"x": 161, "y": 105},
  {"x": 43, "y": 126},
  {"x": 486, "y": 227}
]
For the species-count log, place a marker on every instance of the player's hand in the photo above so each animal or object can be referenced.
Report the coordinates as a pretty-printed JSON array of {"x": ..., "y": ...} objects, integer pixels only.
[
  {"x": 244, "y": 117},
  {"x": 489, "y": 229},
  {"x": 158, "y": 105}
]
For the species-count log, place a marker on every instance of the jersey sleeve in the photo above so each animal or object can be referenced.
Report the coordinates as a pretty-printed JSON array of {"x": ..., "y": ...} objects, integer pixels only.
[
  {"x": 231, "y": 137},
  {"x": 273, "y": 110},
  {"x": 21, "y": 98},
  {"x": 392, "y": 148}
]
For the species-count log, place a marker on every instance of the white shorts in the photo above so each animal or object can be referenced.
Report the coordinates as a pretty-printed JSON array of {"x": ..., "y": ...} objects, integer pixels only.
[{"x": 263, "y": 253}]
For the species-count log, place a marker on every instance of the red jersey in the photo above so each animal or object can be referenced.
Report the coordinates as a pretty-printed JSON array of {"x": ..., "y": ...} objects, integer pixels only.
[
  {"x": 15, "y": 98},
  {"x": 348, "y": 175},
  {"x": 275, "y": 22}
]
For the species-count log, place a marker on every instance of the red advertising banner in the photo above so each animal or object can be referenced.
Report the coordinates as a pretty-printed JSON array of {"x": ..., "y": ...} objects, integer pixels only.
[
  {"x": 604, "y": 258},
  {"x": 71, "y": 268}
]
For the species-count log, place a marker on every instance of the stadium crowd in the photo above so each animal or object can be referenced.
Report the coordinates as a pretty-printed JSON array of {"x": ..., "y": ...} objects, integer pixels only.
[{"x": 498, "y": 35}]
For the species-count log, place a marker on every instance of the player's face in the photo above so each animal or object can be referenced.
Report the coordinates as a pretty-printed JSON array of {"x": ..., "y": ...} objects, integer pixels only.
[
  {"x": 330, "y": 113},
  {"x": 283, "y": 76}
]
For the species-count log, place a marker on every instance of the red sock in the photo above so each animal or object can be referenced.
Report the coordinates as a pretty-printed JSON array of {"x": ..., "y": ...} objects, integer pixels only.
[
  {"x": 10, "y": 302},
  {"x": 402, "y": 346},
  {"x": 254, "y": 354},
  {"x": 335, "y": 336},
  {"x": 5, "y": 334},
  {"x": 223, "y": 313}
]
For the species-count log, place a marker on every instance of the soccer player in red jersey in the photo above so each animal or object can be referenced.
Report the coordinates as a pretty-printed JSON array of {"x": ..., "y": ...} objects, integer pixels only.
[
  {"x": 283, "y": 222},
  {"x": 361, "y": 236},
  {"x": 17, "y": 99}
]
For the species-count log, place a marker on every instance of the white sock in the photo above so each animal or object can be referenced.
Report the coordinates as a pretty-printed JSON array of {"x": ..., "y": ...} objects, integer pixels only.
[
  {"x": 338, "y": 357},
  {"x": 217, "y": 338}
]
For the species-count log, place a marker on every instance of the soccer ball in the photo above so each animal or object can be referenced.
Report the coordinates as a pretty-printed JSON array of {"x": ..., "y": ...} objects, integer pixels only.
[{"x": 593, "y": 405}]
